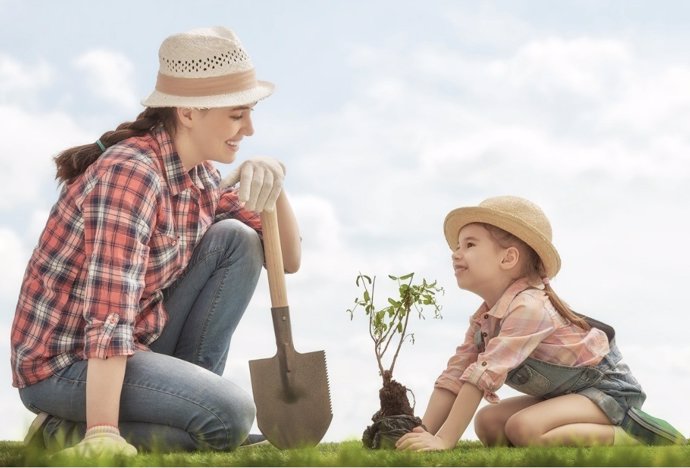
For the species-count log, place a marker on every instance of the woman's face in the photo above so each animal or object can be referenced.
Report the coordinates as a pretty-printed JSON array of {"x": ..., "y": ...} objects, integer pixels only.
[{"x": 216, "y": 133}]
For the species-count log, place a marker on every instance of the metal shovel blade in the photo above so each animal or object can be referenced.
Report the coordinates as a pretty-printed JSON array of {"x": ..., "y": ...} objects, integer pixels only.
[
  {"x": 293, "y": 407},
  {"x": 293, "y": 402}
]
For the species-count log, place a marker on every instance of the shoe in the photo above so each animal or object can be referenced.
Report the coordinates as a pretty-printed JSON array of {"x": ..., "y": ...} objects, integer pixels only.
[
  {"x": 34, "y": 436},
  {"x": 254, "y": 439}
]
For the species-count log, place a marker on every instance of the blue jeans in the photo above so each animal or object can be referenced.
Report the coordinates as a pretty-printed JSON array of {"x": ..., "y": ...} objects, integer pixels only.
[{"x": 174, "y": 398}]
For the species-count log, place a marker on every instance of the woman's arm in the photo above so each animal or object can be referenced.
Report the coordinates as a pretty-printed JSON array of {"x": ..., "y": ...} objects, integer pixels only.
[
  {"x": 104, "y": 380},
  {"x": 290, "y": 241}
]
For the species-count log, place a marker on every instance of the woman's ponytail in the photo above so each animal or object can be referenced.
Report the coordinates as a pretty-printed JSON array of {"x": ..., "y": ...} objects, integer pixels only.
[{"x": 73, "y": 162}]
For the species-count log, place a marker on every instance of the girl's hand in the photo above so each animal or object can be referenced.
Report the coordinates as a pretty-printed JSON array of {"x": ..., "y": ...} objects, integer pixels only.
[{"x": 420, "y": 440}]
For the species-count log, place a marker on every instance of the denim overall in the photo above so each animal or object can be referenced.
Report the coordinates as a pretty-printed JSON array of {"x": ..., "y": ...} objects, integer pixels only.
[{"x": 609, "y": 384}]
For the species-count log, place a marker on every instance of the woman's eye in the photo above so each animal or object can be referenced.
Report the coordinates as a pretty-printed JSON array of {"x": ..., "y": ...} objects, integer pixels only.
[
  {"x": 236, "y": 117},
  {"x": 469, "y": 244}
]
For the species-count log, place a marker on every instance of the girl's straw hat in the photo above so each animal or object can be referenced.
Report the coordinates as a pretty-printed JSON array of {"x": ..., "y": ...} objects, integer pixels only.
[
  {"x": 518, "y": 216},
  {"x": 205, "y": 68}
]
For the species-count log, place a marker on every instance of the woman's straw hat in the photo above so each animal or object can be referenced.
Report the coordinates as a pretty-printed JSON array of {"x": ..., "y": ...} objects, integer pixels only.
[
  {"x": 205, "y": 68},
  {"x": 518, "y": 216}
]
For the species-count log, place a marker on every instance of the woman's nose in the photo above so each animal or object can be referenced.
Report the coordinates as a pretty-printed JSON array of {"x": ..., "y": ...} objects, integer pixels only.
[{"x": 248, "y": 126}]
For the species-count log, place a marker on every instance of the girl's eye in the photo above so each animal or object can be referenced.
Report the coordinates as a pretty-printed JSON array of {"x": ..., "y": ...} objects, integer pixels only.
[
  {"x": 236, "y": 117},
  {"x": 470, "y": 244}
]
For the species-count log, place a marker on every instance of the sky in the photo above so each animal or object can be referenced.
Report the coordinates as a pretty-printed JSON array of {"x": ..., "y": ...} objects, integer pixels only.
[{"x": 387, "y": 115}]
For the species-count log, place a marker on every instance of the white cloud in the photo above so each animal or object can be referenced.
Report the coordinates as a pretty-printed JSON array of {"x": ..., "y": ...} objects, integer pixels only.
[
  {"x": 19, "y": 80},
  {"x": 14, "y": 257},
  {"x": 109, "y": 76},
  {"x": 30, "y": 141}
]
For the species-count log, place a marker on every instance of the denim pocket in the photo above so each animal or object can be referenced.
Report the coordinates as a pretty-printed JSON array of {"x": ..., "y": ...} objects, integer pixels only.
[
  {"x": 528, "y": 380},
  {"x": 538, "y": 378}
]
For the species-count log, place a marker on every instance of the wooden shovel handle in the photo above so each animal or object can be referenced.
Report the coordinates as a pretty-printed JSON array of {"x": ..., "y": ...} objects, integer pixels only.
[{"x": 273, "y": 255}]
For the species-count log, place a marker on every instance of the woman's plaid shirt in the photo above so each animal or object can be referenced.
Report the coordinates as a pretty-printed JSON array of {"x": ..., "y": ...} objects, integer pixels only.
[{"x": 118, "y": 234}]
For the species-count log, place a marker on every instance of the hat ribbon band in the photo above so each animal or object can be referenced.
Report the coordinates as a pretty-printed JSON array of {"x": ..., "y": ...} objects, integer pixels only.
[{"x": 210, "y": 86}]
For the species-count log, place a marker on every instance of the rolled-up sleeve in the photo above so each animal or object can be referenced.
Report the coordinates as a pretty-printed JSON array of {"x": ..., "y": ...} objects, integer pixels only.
[
  {"x": 118, "y": 212},
  {"x": 465, "y": 354},
  {"x": 523, "y": 328}
]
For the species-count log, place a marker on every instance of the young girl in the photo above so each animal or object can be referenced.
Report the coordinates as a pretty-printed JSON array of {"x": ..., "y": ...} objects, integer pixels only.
[
  {"x": 146, "y": 265},
  {"x": 578, "y": 391}
]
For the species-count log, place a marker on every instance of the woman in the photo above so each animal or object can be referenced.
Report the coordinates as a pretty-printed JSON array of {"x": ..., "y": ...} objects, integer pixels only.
[{"x": 147, "y": 264}]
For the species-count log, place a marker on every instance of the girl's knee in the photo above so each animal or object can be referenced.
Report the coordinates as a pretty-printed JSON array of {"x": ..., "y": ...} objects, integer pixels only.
[
  {"x": 520, "y": 432},
  {"x": 489, "y": 426}
]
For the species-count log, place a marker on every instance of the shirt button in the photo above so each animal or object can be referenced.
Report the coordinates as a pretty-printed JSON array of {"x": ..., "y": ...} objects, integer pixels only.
[
  {"x": 484, "y": 334},
  {"x": 486, "y": 316},
  {"x": 484, "y": 363},
  {"x": 173, "y": 242}
]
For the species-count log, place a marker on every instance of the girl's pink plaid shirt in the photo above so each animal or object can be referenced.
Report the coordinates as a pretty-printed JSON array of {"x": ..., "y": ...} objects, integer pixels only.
[
  {"x": 523, "y": 323},
  {"x": 118, "y": 235}
]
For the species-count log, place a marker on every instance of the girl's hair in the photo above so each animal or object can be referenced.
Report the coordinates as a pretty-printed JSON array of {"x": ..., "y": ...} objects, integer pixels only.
[
  {"x": 533, "y": 266},
  {"x": 73, "y": 162}
]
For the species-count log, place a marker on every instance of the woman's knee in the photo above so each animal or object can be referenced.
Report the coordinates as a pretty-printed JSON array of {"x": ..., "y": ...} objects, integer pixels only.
[
  {"x": 241, "y": 242},
  {"x": 228, "y": 428}
]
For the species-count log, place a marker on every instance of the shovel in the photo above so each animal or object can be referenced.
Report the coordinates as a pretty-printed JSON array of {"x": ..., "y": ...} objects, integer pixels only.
[{"x": 293, "y": 403}]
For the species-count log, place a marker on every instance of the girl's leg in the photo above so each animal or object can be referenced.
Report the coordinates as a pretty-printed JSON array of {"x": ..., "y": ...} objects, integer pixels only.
[
  {"x": 166, "y": 404},
  {"x": 565, "y": 420},
  {"x": 490, "y": 420},
  {"x": 205, "y": 305}
]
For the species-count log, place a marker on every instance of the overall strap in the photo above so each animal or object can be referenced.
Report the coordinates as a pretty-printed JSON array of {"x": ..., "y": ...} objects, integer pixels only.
[{"x": 594, "y": 323}]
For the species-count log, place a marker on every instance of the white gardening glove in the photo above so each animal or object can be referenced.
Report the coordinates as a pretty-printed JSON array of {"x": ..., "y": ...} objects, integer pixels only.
[
  {"x": 261, "y": 180},
  {"x": 100, "y": 441}
]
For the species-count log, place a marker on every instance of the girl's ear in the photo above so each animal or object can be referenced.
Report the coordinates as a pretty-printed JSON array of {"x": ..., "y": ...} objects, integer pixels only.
[{"x": 511, "y": 257}]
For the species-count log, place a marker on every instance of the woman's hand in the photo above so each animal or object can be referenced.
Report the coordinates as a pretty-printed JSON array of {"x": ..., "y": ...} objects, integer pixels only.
[
  {"x": 261, "y": 180},
  {"x": 420, "y": 440},
  {"x": 100, "y": 441}
]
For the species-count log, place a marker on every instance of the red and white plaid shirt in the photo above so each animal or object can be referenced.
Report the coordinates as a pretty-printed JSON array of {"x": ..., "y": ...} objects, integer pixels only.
[
  {"x": 523, "y": 323},
  {"x": 118, "y": 234}
]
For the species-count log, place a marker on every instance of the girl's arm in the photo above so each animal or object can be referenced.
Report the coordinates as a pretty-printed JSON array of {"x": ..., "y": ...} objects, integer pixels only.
[
  {"x": 290, "y": 241},
  {"x": 463, "y": 408},
  {"x": 437, "y": 410}
]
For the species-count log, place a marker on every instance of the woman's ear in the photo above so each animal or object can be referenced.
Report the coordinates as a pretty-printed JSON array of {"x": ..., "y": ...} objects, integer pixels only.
[
  {"x": 511, "y": 257},
  {"x": 185, "y": 116}
]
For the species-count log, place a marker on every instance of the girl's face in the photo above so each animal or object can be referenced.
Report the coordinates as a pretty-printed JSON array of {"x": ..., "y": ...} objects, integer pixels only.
[
  {"x": 216, "y": 133},
  {"x": 477, "y": 260}
]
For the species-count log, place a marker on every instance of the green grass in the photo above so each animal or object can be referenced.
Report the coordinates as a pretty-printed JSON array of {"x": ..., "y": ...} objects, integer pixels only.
[{"x": 353, "y": 454}]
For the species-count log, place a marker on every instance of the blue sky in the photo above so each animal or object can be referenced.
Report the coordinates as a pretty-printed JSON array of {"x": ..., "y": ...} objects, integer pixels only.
[{"x": 387, "y": 115}]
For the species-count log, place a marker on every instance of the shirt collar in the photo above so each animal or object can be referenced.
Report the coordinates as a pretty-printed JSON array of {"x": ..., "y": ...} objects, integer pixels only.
[
  {"x": 500, "y": 309},
  {"x": 202, "y": 176}
]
